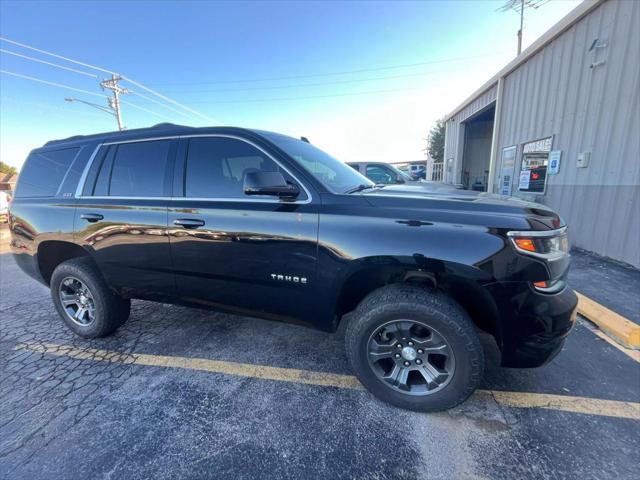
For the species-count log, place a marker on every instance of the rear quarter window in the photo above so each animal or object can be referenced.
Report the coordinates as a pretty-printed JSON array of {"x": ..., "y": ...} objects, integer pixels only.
[{"x": 43, "y": 172}]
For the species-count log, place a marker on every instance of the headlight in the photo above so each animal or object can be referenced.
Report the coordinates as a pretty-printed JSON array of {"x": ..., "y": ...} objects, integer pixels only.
[{"x": 549, "y": 245}]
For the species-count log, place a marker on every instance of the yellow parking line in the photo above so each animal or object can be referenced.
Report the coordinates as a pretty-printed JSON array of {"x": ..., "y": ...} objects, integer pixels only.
[
  {"x": 566, "y": 403},
  {"x": 621, "y": 329},
  {"x": 202, "y": 364}
]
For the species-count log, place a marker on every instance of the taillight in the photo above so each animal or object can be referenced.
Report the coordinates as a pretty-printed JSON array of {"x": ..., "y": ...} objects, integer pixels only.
[{"x": 549, "y": 245}]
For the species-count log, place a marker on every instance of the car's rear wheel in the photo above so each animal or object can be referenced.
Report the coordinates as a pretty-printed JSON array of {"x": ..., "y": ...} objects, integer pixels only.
[
  {"x": 84, "y": 301},
  {"x": 414, "y": 348}
]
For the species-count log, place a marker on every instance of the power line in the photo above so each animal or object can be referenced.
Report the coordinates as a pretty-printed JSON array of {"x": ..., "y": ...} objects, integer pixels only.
[
  {"x": 100, "y": 69},
  {"x": 94, "y": 76},
  {"x": 167, "y": 99},
  {"x": 153, "y": 100},
  {"x": 313, "y": 96},
  {"x": 317, "y": 84},
  {"x": 327, "y": 74},
  {"x": 145, "y": 110},
  {"x": 68, "y": 87},
  {"x": 56, "y": 55},
  {"x": 8, "y": 52},
  {"x": 54, "y": 84}
]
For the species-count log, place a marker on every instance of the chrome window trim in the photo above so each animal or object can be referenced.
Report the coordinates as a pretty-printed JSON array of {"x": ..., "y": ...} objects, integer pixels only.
[
  {"x": 107, "y": 197},
  {"x": 184, "y": 199},
  {"x": 85, "y": 173},
  {"x": 239, "y": 200}
]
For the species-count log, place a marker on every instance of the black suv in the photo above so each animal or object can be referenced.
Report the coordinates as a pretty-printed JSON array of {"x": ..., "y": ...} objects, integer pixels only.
[{"x": 262, "y": 224}]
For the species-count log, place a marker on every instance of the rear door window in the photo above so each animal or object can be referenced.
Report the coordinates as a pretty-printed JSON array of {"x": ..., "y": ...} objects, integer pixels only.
[
  {"x": 43, "y": 172},
  {"x": 138, "y": 169}
]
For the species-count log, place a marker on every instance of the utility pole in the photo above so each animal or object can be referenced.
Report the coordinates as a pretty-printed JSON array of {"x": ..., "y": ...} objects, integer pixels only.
[
  {"x": 519, "y": 6},
  {"x": 114, "y": 102},
  {"x": 521, "y": 25}
]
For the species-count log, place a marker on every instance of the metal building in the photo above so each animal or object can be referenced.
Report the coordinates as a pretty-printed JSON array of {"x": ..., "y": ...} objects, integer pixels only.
[{"x": 560, "y": 125}]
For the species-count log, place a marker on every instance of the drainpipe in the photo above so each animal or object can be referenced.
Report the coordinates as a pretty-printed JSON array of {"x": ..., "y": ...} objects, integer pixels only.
[{"x": 495, "y": 136}]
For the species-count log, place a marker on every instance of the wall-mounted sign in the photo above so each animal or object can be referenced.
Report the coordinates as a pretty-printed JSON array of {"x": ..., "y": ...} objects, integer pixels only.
[
  {"x": 507, "y": 169},
  {"x": 554, "y": 162},
  {"x": 542, "y": 145},
  {"x": 535, "y": 162},
  {"x": 523, "y": 184}
]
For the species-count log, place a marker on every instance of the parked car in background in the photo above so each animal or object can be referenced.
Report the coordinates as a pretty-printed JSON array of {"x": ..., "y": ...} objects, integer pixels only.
[
  {"x": 386, "y": 174},
  {"x": 418, "y": 172},
  {"x": 4, "y": 207},
  {"x": 381, "y": 173}
]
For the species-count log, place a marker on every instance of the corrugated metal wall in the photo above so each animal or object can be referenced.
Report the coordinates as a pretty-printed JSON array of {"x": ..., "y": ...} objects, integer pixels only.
[
  {"x": 562, "y": 91},
  {"x": 454, "y": 136}
]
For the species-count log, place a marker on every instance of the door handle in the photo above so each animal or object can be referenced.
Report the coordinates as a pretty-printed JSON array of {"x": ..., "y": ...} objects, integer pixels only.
[
  {"x": 91, "y": 217},
  {"x": 189, "y": 222}
]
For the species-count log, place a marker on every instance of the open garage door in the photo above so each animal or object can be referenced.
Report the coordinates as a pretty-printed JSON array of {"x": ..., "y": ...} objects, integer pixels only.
[{"x": 476, "y": 157}]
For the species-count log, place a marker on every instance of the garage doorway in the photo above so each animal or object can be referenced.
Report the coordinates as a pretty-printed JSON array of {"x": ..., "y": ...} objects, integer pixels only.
[{"x": 476, "y": 154}]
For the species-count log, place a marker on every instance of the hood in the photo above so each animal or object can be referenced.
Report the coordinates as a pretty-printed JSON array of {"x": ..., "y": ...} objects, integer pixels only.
[{"x": 464, "y": 206}]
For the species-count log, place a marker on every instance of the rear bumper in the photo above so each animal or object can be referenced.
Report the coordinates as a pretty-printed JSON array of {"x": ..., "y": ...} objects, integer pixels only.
[
  {"x": 532, "y": 326},
  {"x": 29, "y": 265}
]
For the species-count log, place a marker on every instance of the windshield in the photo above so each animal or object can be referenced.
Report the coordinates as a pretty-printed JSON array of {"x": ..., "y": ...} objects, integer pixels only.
[{"x": 338, "y": 177}]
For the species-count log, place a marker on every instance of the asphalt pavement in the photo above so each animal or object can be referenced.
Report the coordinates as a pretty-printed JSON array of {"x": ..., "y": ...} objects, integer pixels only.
[
  {"x": 614, "y": 285},
  {"x": 72, "y": 408}
]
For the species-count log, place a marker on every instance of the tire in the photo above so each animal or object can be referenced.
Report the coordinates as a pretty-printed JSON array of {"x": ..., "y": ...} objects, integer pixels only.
[
  {"x": 110, "y": 311},
  {"x": 383, "y": 318}
]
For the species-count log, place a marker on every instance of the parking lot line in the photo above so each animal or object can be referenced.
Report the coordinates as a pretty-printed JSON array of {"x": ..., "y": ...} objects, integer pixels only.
[
  {"x": 616, "y": 326},
  {"x": 566, "y": 403}
]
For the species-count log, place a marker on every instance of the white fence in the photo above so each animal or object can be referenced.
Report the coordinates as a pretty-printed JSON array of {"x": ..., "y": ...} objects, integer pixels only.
[{"x": 437, "y": 172}]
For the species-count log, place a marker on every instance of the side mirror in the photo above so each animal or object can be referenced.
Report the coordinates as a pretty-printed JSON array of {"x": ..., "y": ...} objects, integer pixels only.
[
  {"x": 269, "y": 183},
  {"x": 399, "y": 179}
]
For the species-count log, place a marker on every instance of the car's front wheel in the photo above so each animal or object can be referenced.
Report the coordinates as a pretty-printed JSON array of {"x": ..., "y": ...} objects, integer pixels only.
[
  {"x": 84, "y": 301},
  {"x": 414, "y": 348}
]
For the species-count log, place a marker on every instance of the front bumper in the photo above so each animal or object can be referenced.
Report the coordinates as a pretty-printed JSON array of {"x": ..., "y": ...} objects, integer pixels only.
[{"x": 533, "y": 326}]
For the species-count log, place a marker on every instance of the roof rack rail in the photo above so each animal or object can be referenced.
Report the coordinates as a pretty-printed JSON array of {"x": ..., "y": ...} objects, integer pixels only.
[{"x": 165, "y": 125}]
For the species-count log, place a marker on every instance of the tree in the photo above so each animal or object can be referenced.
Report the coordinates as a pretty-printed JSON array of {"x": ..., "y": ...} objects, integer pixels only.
[
  {"x": 436, "y": 141},
  {"x": 4, "y": 168}
]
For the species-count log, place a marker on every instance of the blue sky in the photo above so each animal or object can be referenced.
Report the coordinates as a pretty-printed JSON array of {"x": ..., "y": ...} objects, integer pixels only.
[{"x": 364, "y": 80}]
